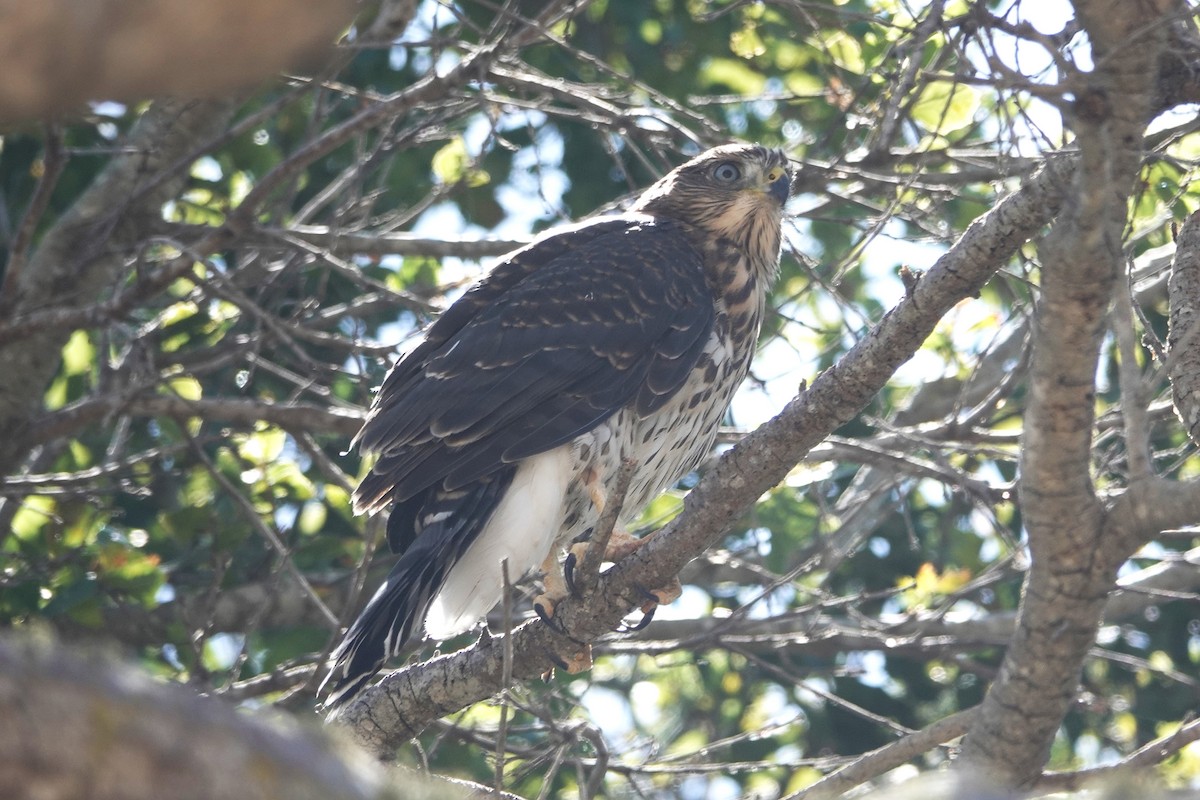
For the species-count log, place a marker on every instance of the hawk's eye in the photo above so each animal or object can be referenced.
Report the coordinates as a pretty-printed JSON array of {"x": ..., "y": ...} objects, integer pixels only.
[{"x": 727, "y": 172}]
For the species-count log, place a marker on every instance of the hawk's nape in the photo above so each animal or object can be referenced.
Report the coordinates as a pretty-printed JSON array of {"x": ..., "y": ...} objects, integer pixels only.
[{"x": 500, "y": 434}]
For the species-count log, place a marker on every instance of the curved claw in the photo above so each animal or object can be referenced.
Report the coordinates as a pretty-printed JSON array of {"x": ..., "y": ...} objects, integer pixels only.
[
  {"x": 575, "y": 663},
  {"x": 557, "y": 660},
  {"x": 569, "y": 573},
  {"x": 544, "y": 608},
  {"x": 647, "y": 595},
  {"x": 540, "y": 605},
  {"x": 647, "y": 616}
]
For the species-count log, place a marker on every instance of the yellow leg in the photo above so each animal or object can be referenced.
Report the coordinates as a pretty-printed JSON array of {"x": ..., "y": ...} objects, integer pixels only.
[
  {"x": 591, "y": 480},
  {"x": 622, "y": 544},
  {"x": 579, "y": 661},
  {"x": 665, "y": 595},
  {"x": 554, "y": 587}
]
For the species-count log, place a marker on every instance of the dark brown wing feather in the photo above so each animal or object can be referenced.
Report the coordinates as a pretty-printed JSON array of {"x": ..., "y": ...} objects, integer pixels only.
[{"x": 558, "y": 338}]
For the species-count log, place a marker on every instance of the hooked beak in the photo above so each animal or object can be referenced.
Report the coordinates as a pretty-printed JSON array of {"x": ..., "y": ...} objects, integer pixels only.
[{"x": 780, "y": 184}]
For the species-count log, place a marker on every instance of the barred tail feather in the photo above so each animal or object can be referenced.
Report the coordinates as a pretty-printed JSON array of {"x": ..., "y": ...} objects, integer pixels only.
[
  {"x": 437, "y": 537},
  {"x": 384, "y": 628}
]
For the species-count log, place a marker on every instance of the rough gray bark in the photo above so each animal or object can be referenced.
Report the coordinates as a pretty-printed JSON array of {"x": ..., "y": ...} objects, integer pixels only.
[
  {"x": 1184, "y": 340},
  {"x": 79, "y": 724},
  {"x": 345, "y": 242},
  {"x": 58, "y": 54},
  {"x": 1075, "y": 554}
]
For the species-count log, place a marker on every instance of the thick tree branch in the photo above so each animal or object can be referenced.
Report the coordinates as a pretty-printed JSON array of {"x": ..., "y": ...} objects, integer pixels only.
[
  {"x": 1073, "y": 564},
  {"x": 58, "y": 54},
  {"x": 1147, "y": 508},
  {"x": 78, "y": 724}
]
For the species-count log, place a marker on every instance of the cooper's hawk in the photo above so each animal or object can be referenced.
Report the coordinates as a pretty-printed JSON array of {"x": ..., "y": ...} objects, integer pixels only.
[{"x": 501, "y": 433}]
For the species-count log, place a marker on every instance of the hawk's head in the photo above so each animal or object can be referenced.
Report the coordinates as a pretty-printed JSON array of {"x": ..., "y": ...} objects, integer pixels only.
[{"x": 735, "y": 191}]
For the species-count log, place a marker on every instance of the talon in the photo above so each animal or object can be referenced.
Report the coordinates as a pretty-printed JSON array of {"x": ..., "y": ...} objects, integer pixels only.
[
  {"x": 569, "y": 573},
  {"x": 668, "y": 594},
  {"x": 543, "y": 606},
  {"x": 647, "y": 616},
  {"x": 554, "y": 588},
  {"x": 650, "y": 598},
  {"x": 581, "y": 661},
  {"x": 577, "y": 662},
  {"x": 653, "y": 599},
  {"x": 575, "y": 556},
  {"x": 558, "y": 661}
]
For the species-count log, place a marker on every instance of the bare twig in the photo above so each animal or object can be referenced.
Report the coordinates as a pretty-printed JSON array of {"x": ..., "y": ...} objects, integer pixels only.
[
  {"x": 264, "y": 530},
  {"x": 506, "y": 673},
  {"x": 875, "y": 763},
  {"x": 1149, "y": 755},
  {"x": 53, "y": 161},
  {"x": 1133, "y": 401}
]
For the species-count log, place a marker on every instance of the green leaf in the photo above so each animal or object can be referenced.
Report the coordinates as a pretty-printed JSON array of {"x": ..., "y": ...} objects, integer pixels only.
[
  {"x": 945, "y": 107},
  {"x": 452, "y": 164},
  {"x": 31, "y": 517},
  {"x": 651, "y": 31},
  {"x": 746, "y": 42},
  {"x": 733, "y": 75},
  {"x": 56, "y": 393},
  {"x": 286, "y": 475},
  {"x": 185, "y": 387},
  {"x": 262, "y": 446},
  {"x": 70, "y": 595},
  {"x": 846, "y": 52},
  {"x": 312, "y": 517},
  {"x": 78, "y": 355},
  {"x": 130, "y": 570},
  {"x": 178, "y": 312}
]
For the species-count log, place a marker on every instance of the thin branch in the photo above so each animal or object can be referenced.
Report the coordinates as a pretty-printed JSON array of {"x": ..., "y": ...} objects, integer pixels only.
[
  {"x": 505, "y": 676},
  {"x": 873, "y": 764},
  {"x": 240, "y": 411},
  {"x": 588, "y": 569},
  {"x": 1150, "y": 755},
  {"x": 1183, "y": 364},
  {"x": 268, "y": 533},
  {"x": 54, "y": 160},
  {"x": 428, "y": 89},
  {"x": 1133, "y": 401}
]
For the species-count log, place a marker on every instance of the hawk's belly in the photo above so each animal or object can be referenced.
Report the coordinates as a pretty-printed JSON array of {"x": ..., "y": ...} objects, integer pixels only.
[
  {"x": 549, "y": 505},
  {"x": 665, "y": 445}
]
